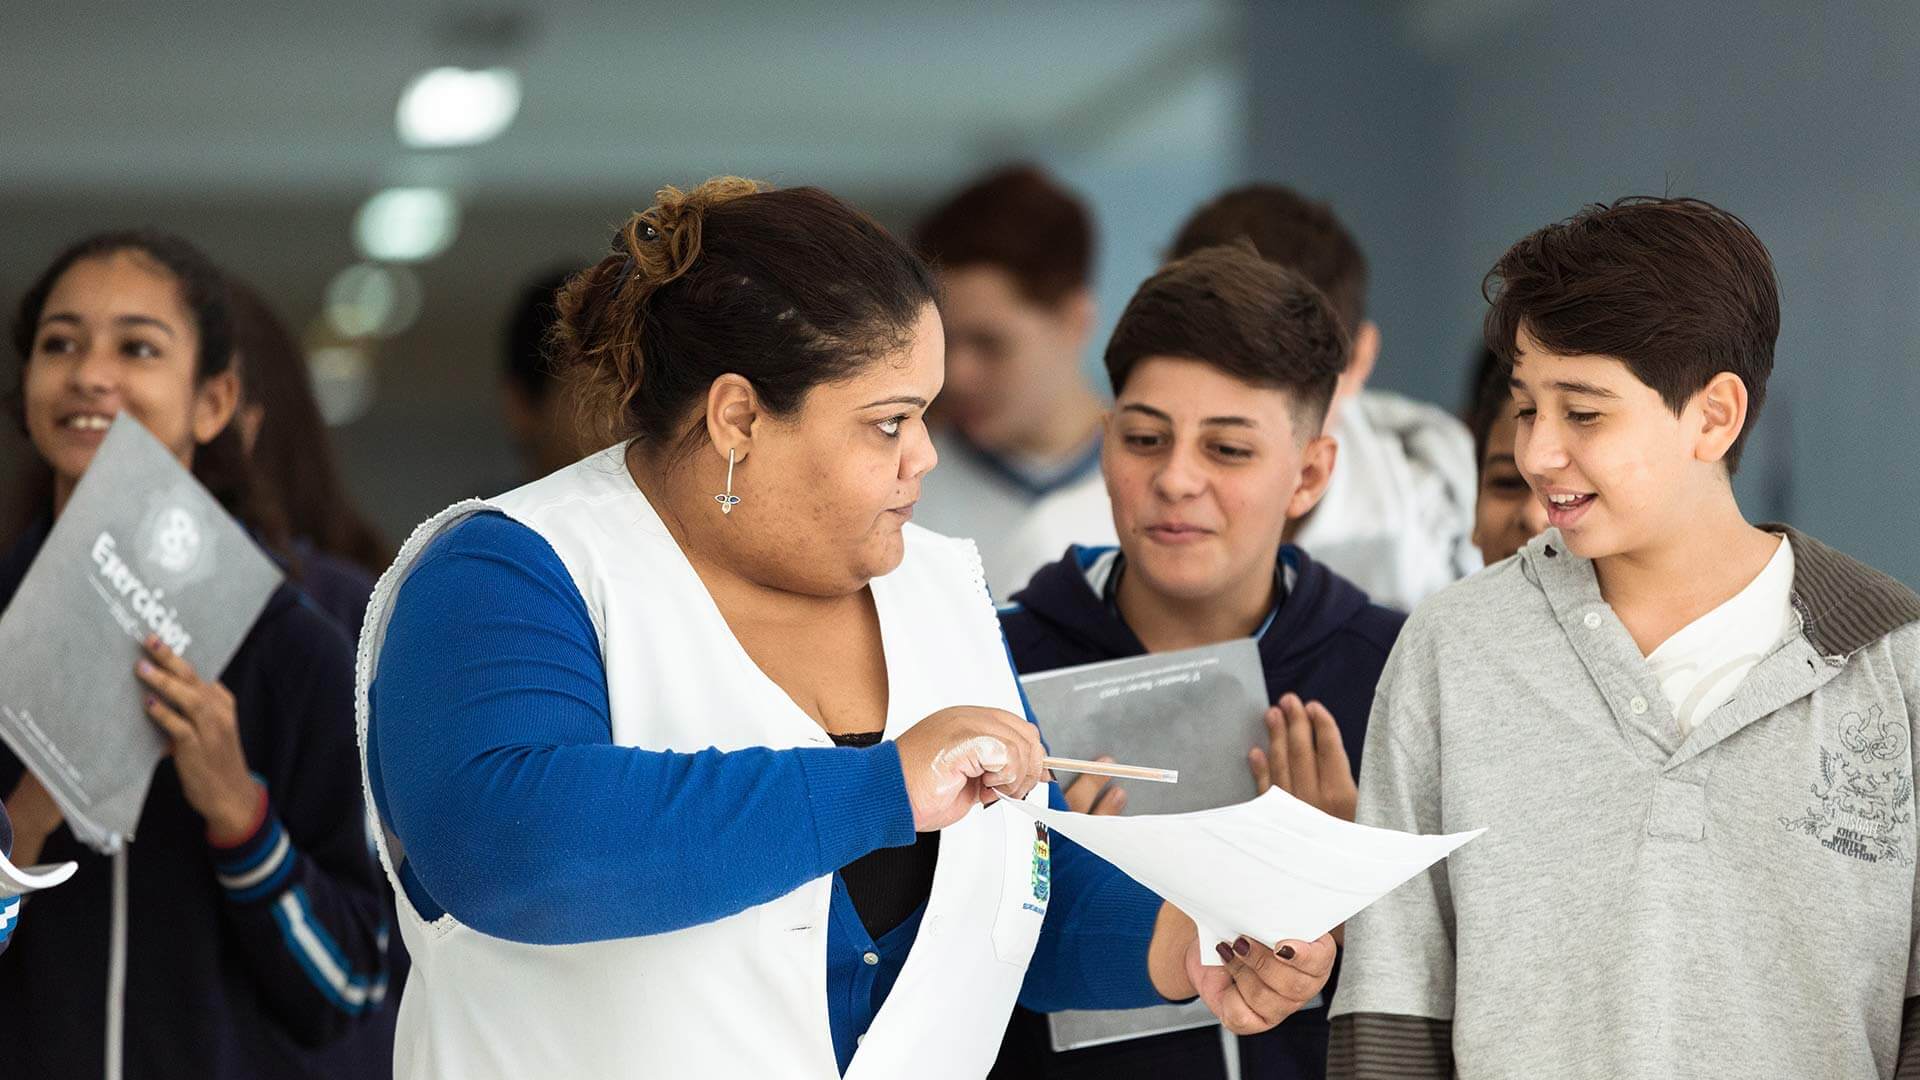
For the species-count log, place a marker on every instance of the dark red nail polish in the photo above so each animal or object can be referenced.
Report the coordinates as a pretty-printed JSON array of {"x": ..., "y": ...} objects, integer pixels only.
[
  {"x": 1285, "y": 952},
  {"x": 1226, "y": 954},
  {"x": 1240, "y": 946}
]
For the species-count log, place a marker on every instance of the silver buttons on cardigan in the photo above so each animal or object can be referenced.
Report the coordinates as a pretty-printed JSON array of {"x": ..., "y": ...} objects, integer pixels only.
[
  {"x": 873, "y": 958},
  {"x": 1638, "y": 705},
  {"x": 1592, "y": 620}
]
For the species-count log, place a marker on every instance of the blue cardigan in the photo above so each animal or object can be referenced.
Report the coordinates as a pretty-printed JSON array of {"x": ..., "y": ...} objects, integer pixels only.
[{"x": 491, "y": 756}]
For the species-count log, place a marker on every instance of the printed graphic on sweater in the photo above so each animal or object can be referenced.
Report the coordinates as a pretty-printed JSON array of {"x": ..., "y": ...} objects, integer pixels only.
[{"x": 1863, "y": 799}]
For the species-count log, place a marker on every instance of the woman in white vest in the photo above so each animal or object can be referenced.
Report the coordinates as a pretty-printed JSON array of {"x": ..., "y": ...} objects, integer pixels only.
[{"x": 684, "y": 756}]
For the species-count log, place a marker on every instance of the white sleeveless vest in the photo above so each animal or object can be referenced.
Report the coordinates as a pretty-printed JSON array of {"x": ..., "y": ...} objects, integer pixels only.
[{"x": 744, "y": 996}]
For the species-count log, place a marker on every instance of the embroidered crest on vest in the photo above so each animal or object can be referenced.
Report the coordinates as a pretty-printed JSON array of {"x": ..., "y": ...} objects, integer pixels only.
[
  {"x": 1864, "y": 795},
  {"x": 1042, "y": 863}
]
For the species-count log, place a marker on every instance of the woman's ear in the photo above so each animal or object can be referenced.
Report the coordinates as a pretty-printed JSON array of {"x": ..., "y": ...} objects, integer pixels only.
[
  {"x": 1316, "y": 470},
  {"x": 214, "y": 403},
  {"x": 733, "y": 409},
  {"x": 1723, "y": 416}
]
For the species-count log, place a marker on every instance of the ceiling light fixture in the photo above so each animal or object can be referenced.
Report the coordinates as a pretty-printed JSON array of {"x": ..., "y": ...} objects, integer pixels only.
[
  {"x": 451, "y": 106},
  {"x": 407, "y": 224}
]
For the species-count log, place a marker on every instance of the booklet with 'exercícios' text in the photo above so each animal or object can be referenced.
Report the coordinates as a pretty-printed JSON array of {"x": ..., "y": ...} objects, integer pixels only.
[{"x": 140, "y": 548}]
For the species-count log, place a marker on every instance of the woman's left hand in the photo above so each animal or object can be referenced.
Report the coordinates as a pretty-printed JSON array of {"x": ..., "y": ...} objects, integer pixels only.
[
  {"x": 198, "y": 718},
  {"x": 1253, "y": 990},
  {"x": 1256, "y": 987}
]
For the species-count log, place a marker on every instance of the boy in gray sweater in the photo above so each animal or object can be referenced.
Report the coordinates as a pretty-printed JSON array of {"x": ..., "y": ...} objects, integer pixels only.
[{"x": 1689, "y": 737}]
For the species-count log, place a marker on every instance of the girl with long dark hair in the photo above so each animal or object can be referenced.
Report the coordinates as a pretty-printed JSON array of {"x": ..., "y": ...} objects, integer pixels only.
[{"x": 245, "y": 924}]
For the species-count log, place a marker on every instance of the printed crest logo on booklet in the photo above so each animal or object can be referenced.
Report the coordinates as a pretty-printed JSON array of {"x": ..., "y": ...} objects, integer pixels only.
[{"x": 174, "y": 539}]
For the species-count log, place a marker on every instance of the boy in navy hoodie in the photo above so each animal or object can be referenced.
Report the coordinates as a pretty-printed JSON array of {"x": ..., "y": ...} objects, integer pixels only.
[{"x": 1222, "y": 368}]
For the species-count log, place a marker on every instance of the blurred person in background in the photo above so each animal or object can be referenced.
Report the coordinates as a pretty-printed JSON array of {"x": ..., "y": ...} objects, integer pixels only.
[
  {"x": 247, "y": 917},
  {"x": 541, "y": 415},
  {"x": 1505, "y": 513},
  {"x": 1397, "y": 517},
  {"x": 335, "y": 553},
  {"x": 1014, "y": 255}
]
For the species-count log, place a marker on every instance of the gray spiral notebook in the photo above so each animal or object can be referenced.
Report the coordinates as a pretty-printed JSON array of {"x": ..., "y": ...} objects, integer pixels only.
[
  {"x": 1196, "y": 710},
  {"x": 140, "y": 548}
]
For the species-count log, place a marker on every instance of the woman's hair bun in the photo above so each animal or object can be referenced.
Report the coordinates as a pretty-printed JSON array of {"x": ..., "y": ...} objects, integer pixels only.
[
  {"x": 664, "y": 239},
  {"x": 789, "y": 289},
  {"x": 600, "y": 312}
]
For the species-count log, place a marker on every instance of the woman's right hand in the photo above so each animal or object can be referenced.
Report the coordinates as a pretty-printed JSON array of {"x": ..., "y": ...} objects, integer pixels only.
[{"x": 965, "y": 755}]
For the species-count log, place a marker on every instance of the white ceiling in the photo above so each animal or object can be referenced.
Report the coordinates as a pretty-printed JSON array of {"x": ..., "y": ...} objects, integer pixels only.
[{"x": 226, "y": 96}]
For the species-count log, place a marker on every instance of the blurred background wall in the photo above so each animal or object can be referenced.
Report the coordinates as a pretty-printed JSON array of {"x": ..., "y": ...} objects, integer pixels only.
[
  {"x": 1444, "y": 131},
  {"x": 1441, "y": 130}
]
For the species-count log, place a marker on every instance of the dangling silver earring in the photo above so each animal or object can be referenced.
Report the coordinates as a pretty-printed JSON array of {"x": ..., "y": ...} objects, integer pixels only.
[{"x": 728, "y": 500}]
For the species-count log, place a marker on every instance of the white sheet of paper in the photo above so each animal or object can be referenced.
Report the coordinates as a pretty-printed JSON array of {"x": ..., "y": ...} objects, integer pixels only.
[
  {"x": 1270, "y": 869},
  {"x": 15, "y": 881}
]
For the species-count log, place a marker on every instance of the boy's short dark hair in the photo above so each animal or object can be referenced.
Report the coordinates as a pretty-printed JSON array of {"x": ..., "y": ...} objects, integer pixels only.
[
  {"x": 1019, "y": 220},
  {"x": 1677, "y": 289},
  {"x": 1287, "y": 228},
  {"x": 1234, "y": 311}
]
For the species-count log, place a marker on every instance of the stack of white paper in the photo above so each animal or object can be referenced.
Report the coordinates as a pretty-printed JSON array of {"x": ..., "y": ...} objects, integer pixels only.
[{"x": 1271, "y": 869}]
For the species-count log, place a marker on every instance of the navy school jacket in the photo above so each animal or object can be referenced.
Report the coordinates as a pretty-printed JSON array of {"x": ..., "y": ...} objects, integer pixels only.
[{"x": 238, "y": 960}]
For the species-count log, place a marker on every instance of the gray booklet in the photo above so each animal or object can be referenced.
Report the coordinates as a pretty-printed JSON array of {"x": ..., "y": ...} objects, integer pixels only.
[
  {"x": 1196, "y": 710},
  {"x": 141, "y": 548}
]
